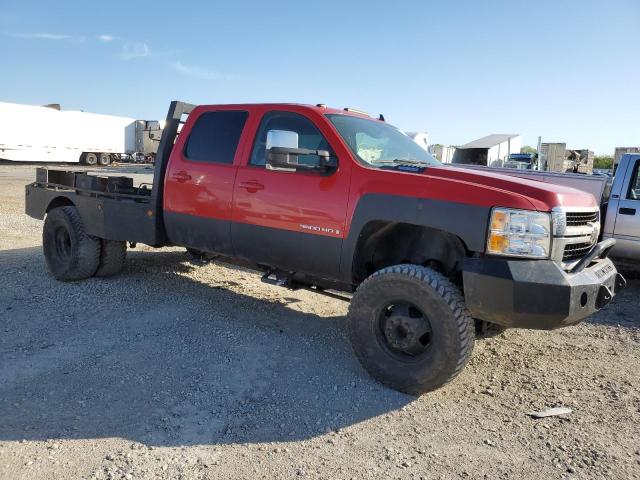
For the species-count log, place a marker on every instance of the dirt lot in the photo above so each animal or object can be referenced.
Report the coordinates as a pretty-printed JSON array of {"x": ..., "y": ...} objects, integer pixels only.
[{"x": 174, "y": 370}]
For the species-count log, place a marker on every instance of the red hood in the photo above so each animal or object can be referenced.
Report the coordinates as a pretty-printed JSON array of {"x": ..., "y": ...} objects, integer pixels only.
[{"x": 543, "y": 196}]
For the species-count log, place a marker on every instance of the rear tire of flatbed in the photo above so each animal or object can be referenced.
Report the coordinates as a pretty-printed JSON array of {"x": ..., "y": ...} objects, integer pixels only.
[
  {"x": 70, "y": 253},
  {"x": 113, "y": 256},
  {"x": 410, "y": 329}
]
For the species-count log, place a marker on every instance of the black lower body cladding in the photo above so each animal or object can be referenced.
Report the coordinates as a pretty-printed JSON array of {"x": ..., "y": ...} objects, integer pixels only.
[{"x": 536, "y": 294}]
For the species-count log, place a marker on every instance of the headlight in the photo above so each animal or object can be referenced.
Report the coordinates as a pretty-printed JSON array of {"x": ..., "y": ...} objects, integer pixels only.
[{"x": 519, "y": 233}]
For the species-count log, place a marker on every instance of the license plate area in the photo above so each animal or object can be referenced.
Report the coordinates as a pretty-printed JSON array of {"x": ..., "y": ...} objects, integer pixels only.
[{"x": 603, "y": 271}]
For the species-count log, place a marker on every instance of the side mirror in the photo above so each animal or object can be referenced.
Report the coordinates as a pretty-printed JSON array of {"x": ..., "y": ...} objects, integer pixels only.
[
  {"x": 282, "y": 139},
  {"x": 283, "y": 154}
]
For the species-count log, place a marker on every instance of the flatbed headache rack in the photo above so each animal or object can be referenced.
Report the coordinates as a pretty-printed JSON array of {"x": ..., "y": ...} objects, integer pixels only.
[{"x": 176, "y": 116}]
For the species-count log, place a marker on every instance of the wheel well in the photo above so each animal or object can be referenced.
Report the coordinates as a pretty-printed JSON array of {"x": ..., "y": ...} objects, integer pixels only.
[
  {"x": 382, "y": 244},
  {"x": 59, "y": 202}
]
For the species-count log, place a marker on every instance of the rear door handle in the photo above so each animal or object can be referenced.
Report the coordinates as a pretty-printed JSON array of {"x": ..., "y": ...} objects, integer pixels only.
[
  {"x": 251, "y": 186},
  {"x": 182, "y": 176},
  {"x": 627, "y": 211}
]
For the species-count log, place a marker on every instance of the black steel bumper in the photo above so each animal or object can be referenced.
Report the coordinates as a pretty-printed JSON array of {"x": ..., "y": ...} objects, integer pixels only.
[{"x": 538, "y": 293}]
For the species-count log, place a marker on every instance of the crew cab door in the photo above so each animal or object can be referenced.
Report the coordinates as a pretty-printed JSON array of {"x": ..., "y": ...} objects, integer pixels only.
[
  {"x": 626, "y": 211},
  {"x": 291, "y": 219},
  {"x": 198, "y": 187}
]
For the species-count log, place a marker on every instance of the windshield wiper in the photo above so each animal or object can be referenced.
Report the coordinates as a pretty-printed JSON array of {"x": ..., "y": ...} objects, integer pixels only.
[{"x": 399, "y": 161}]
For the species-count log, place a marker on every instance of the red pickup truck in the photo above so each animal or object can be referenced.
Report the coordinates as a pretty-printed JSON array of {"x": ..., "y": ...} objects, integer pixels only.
[{"x": 336, "y": 201}]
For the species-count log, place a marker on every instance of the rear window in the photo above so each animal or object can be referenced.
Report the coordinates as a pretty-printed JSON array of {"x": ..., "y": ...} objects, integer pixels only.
[{"x": 215, "y": 136}]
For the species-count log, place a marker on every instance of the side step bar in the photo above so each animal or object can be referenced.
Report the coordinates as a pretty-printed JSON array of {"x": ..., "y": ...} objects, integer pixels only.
[{"x": 271, "y": 277}]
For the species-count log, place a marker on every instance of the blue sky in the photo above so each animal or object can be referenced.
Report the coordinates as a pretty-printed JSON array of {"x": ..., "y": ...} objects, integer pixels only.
[{"x": 566, "y": 70}]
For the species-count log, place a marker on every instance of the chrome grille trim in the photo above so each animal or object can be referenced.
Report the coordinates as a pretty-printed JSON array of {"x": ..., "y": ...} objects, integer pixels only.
[
  {"x": 576, "y": 231},
  {"x": 576, "y": 251},
  {"x": 575, "y": 219}
]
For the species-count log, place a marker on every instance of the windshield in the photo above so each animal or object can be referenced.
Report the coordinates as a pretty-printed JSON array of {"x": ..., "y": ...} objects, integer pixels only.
[{"x": 379, "y": 144}]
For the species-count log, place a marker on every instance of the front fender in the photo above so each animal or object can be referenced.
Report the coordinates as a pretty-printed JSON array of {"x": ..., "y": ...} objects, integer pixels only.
[{"x": 466, "y": 221}]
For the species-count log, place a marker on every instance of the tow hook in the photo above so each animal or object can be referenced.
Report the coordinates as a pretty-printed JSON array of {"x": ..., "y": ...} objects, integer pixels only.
[
  {"x": 604, "y": 297},
  {"x": 621, "y": 282}
]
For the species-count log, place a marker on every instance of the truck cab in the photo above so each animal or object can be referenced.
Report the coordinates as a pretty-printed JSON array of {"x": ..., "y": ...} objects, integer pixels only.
[
  {"x": 522, "y": 161},
  {"x": 622, "y": 212}
]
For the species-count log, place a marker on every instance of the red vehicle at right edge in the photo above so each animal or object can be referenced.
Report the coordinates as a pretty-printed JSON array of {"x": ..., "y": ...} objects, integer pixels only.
[{"x": 335, "y": 201}]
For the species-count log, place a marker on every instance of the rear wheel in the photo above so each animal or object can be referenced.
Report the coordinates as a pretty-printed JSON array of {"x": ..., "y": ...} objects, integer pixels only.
[
  {"x": 410, "y": 329},
  {"x": 113, "y": 256},
  {"x": 104, "y": 159},
  {"x": 90, "y": 158},
  {"x": 69, "y": 252}
]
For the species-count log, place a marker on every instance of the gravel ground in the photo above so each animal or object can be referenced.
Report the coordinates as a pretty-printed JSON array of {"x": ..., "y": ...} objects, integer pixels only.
[{"x": 176, "y": 370}]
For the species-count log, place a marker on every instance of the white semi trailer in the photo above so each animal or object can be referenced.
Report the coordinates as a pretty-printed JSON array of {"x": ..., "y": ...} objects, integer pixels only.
[{"x": 31, "y": 133}]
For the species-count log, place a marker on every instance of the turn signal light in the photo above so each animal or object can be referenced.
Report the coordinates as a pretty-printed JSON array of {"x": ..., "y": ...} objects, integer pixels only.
[
  {"x": 498, "y": 242},
  {"x": 498, "y": 220}
]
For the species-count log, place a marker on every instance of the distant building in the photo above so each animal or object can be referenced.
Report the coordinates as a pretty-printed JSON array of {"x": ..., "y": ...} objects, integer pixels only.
[
  {"x": 617, "y": 155},
  {"x": 553, "y": 157},
  {"x": 442, "y": 153},
  {"x": 492, "y": 150},
  {"x": 583, "y": 163}
]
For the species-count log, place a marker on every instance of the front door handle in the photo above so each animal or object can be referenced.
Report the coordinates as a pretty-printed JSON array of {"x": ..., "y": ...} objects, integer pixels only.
[
  {"x": 252, "y": 186},
  {"x": 182, "y": 176},
  {"x": 627, "y": 211}
]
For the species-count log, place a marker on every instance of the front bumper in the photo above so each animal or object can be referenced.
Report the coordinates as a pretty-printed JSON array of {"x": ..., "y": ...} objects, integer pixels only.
[{"x": 537, "y": 294}]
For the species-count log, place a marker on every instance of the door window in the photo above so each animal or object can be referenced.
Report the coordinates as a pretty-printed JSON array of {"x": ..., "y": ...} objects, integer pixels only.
[
  {"x": 308, "y": 136},
  {"x": 634, "y": 184},
  {"x": 214, "y": 137}
]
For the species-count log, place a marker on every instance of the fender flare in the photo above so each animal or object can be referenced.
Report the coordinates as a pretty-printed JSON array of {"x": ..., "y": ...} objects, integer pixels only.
[{"x": 466, "y": 221}]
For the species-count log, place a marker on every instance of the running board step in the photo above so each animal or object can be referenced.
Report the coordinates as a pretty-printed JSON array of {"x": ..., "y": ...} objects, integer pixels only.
[{"x": 272, "y": 279}]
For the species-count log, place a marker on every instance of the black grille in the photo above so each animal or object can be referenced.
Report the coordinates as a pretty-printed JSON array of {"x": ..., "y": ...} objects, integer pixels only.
[
  {"x": 575, "y": 219},
  {"x": 575, "y": 251}
]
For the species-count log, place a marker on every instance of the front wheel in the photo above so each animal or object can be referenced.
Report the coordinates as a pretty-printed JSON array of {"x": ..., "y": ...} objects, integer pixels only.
[{"x": 410, "y": 329}]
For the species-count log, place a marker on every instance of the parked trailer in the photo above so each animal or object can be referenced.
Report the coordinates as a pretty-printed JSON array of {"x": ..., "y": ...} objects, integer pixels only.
[{"x": 30, "y": 133}]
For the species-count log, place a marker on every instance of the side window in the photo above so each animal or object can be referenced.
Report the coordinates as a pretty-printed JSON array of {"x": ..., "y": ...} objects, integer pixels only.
[
  {"x": 214, "y": 137},
  {"x": 308, "y": 136},
  {"x": 634, "y": 183}
]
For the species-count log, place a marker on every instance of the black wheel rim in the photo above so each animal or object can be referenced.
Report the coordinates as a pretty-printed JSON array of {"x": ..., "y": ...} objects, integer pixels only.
[
  {"x": 404, "y": 330},
  {"x": 62, "y": 243}
]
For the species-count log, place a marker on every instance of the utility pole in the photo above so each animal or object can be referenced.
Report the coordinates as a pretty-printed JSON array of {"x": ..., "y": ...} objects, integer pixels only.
[{"x": 540, "y": 164}]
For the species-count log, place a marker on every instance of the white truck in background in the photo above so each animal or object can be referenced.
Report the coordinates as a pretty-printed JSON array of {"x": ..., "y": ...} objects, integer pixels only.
[
  {"x": 621, "y": 212},
  {"x": 31, "y": 133}
]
